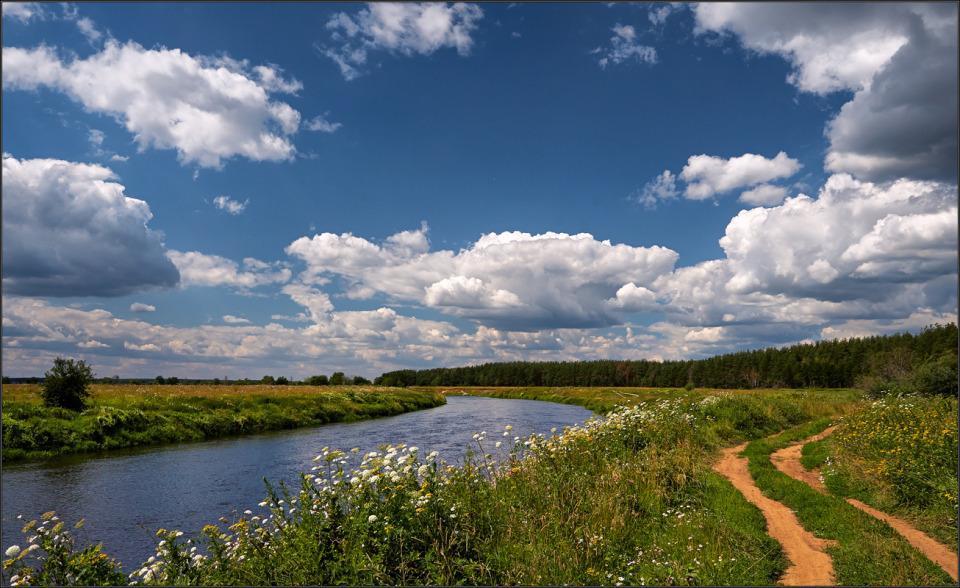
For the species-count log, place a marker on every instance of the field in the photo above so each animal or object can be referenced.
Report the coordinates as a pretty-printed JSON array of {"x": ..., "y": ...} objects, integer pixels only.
[
  {"x": 628, "y": 499},
  {"x": 131, "y": 415}
]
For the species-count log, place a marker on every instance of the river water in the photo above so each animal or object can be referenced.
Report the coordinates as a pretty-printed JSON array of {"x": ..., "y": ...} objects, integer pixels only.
[{"x": 125, "y": 496}]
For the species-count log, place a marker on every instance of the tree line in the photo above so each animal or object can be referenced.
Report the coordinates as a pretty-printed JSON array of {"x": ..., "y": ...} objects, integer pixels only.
[{"x": 839, "y": 363}]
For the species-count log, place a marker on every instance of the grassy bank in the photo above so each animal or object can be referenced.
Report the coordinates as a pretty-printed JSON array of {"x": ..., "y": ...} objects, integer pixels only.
[
  {"x": 131, "y": 415},
  {"x": 603, "y": 400},
  {"x": 628, "y": 499},
  {"x": 898, "y": 455},
  {"x": 867, "y": 551}
]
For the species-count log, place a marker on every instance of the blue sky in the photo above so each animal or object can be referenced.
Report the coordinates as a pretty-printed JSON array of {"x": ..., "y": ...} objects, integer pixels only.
[{"x": 544, "y": 127}]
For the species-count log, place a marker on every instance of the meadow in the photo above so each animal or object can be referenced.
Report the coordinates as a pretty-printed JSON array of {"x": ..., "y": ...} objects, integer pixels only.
[
  {"x": 123, "y": 415},
  {"x": 628, "y": 498}
]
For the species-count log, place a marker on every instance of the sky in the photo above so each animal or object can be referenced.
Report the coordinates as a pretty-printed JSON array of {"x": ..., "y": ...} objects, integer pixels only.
[{"x": 233, "y": 190}]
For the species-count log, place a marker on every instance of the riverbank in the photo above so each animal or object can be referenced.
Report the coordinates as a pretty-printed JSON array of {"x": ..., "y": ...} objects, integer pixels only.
[
  {"x": 122, "y": 416},
  {"x": 602, "y": 400},
  {"x": 627, "y": 499}
]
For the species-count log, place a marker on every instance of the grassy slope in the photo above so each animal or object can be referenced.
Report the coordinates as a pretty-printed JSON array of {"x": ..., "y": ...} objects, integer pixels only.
[
  {"x": 134, "y": 415},
  {"x": 867, "y": 550}
]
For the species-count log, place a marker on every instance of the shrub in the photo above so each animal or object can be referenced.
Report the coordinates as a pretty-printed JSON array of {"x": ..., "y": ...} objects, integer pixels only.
[
  {"x": 689, "y": 386},
  {"x": 937, "y": 377},
  {"x": 320, "y": 380},
  {"x": 66, "y": 384}
]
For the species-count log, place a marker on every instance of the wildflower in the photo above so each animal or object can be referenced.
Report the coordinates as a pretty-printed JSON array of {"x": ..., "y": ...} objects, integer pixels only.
[
  {"x": 372, "y": 519},
  {"x": 13, "y": 551}
]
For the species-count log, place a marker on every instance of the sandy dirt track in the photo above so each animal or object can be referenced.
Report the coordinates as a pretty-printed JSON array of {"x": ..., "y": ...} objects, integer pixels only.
[
  {"x": 809, "y": 565},
  {"x": 787, "y": 460}
]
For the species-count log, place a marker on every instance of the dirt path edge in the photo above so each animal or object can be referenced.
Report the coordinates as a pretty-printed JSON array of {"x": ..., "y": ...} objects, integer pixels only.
[{"x": 809, "y": 565}]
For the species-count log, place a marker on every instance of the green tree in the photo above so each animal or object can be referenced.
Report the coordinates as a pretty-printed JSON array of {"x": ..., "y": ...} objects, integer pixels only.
[
  {"x": 360, "y": 381},
  {"x": 282, "y": 381},
  {"x": 160, "y": 380},
  {"x": 67, "y": 383},
  {"x": 268, "y": 380},
  {"x": 338, "y": 379},
  {"x": 320, "y": 380}
]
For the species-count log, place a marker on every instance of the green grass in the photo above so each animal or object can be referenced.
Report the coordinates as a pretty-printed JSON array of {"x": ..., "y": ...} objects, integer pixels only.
[
  {"x": 898, "y": 455},
  {"x": 123, "y": 416},
  {"x": 603, "y": 399},
  {"x": 867, "y": 551},
  {"x": 631, "y": 496}
]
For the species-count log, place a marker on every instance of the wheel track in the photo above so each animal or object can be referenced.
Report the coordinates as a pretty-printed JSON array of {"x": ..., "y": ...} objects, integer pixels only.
[{"x": 787, "y": 460}]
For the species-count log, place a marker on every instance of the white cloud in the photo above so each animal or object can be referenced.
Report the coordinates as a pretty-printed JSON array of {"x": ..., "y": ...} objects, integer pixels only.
[
  {"x": 707, "y": 175},
  {"x": 624, "y": 47},
  {"x": 900, "y": 59},
  {"x": 119, "y": 158},
  {"x": 235, "y": 320},
  {"x": 141, "y": 307},
  {"x": 764, "y": 195},
  {"x": 404, "y": 28},
  {"x": 633, "y": 298},
  {"x": 200, "y": 269},
  {"x": 663, "y": 187},
  {"x": 320, "y": 124},
  {"x": 230, "y": 205},
  {"x": 512, "y": 278},
  {"x": 141, "y": 347},
  {"x": 845, "y": 243},
  {"x": 22, "y": 11},
  {"x": 89, "y": 29},
  {"x": 168, "y": 99},
  {"x": 92, "y": 344},
  {"x": 70, "y": 230}
]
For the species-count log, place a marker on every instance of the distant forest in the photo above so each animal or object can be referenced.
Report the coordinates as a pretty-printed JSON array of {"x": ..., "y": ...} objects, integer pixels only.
[{"x": 827, "y": 364}]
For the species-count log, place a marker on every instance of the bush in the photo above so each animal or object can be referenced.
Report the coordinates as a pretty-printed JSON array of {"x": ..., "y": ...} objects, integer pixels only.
[
  {"x": 937, "y": 377},
  {"x": 689, "y": 386},
  {"x": 320, "y": 380},
  {"x": 66, "y": 384}
]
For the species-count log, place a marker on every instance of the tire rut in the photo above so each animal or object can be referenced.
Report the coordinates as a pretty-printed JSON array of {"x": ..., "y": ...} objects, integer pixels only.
[
  {"x": 787, "y": 460},
  {"x": 809, "y": 565}
]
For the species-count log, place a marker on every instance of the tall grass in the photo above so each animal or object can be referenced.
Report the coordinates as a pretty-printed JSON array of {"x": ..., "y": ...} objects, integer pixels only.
[
  {"x": 625, "y": 499},
  {"x": 129, "y": 415}
]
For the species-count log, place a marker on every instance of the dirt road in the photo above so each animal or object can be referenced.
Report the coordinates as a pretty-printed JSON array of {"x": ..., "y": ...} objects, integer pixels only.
[
  {"x": 787, "y": 460},
  {"x": 810, "y": 565}
]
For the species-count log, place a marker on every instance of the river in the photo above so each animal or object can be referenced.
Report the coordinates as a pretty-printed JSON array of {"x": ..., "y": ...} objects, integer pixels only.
[{"x": 125, "y": 496}]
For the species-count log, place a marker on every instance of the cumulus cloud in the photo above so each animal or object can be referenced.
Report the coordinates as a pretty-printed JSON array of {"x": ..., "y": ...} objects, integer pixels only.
[
  {"x": 70, "y": 230},
  {"x": 900, "y": 59},
  {"x": 141, "y": 307},
  {"x": 707, "y": 175},
  {"x": 207, "y": 110},
  {"x": 229, "y": 205},
  {"x": 853, "y": 237},
  {"x": 624, "y": 47},
  {"x": 764, "y": 195},
  {"x": 400, "y": 28},
  {"x": 201, "y": 269},
  {"x": 515, "y": 279}
]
